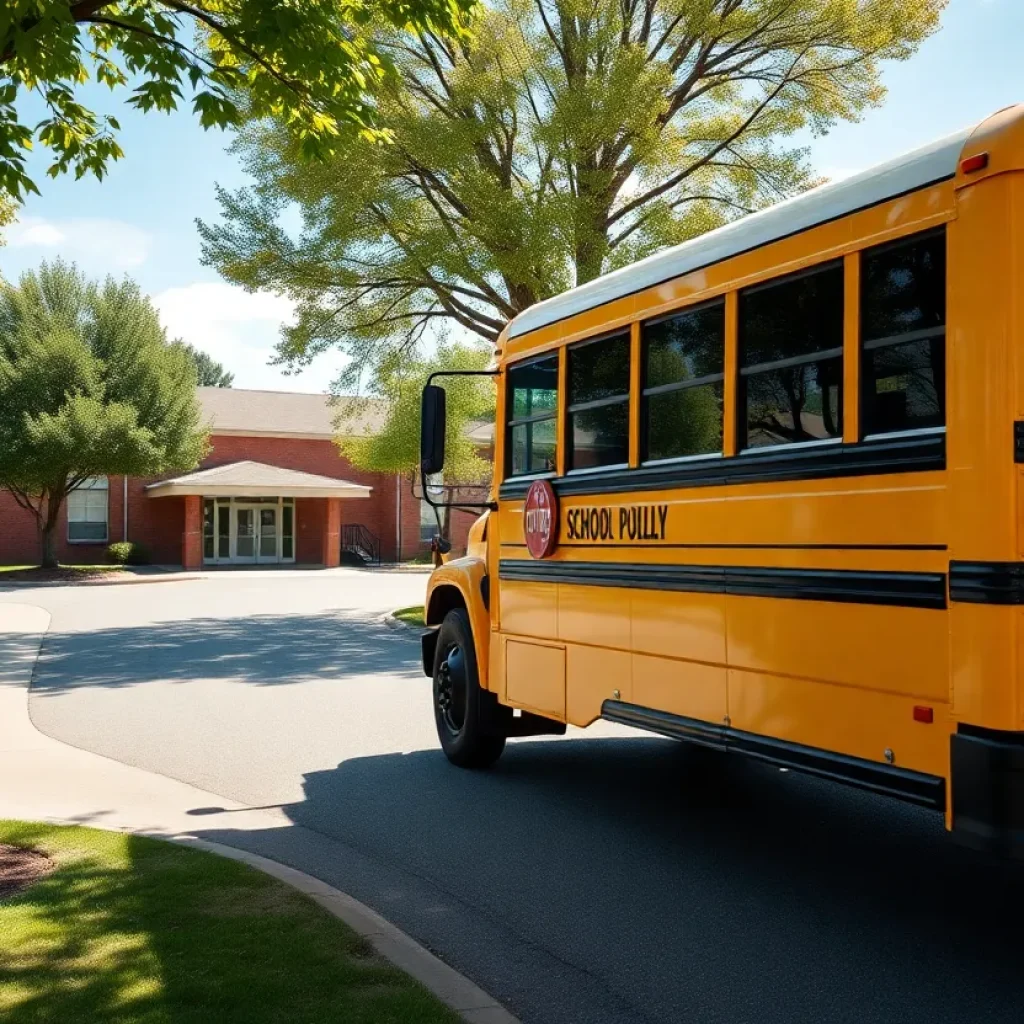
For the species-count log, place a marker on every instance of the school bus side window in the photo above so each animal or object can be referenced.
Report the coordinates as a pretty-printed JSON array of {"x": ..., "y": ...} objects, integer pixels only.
[
  {"x": 532, "y": 410},
  {"x": 903, "y": 335},
  {"x": 598, "y": 433},
  {"x": 684, "y": 369},
  {"x": 791, "y": 359}
]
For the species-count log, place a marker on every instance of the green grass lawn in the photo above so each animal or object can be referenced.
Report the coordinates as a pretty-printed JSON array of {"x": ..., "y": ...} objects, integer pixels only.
[
  {"x": 129, "y": 930},
  {"x": 413, "y": 615}
]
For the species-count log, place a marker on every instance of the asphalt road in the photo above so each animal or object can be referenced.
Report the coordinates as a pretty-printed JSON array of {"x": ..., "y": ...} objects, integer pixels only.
[{"x": 604, "y": 877}]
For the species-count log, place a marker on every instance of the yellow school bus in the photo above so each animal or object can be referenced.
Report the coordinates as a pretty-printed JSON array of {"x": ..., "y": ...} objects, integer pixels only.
[{"x": 764, "y": 491}]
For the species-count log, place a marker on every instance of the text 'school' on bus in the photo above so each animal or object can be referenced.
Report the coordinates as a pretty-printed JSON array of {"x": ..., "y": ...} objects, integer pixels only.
[{"x": 765, "y": 492}]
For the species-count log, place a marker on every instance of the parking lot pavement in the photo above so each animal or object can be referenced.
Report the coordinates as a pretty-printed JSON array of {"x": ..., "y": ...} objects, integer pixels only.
[{"x": 603, "y": 878}]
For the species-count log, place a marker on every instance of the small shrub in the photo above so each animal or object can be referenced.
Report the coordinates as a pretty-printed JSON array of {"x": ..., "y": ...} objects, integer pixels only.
[{"x": 126, "y": 552}]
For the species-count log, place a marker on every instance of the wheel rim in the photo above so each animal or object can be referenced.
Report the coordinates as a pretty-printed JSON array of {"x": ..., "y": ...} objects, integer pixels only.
[{"x": 451, "y": 689}]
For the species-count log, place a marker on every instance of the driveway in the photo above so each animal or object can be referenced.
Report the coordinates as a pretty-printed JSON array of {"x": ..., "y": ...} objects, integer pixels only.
[{"x": 603, "y": 877}]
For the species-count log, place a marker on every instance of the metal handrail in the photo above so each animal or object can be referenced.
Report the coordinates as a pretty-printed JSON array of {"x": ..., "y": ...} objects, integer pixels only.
[{"x": 357, "y": 539}]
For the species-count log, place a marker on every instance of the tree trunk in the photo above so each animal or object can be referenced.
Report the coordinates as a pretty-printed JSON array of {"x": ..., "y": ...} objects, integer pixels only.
[
  {"x": 46, "y": 535},
  {"x": 51, "y": 501},
  {"x": 591, "y": 236}
]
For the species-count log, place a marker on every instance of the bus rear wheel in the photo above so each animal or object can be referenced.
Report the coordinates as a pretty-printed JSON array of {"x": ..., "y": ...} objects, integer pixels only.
[{"x": 467, "y": 717}]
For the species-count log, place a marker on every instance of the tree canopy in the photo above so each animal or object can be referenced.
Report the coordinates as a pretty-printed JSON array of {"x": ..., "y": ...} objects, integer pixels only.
[
  {"x": 313, "y": 65},
  {"x": 564, "y": 139},
  {"x": 209, "y": 373},
  {"x": 89, "y": 387}
]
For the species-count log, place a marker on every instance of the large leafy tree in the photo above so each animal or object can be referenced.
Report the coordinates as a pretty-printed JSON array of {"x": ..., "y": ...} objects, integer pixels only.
[
  {"x": 566, "y": 138},
  {"x": 89, "y": 386},
  {"x": 209, "y": 373},
  {"x": 394, "y": 447},
  {"x": 309, "y": 63}
]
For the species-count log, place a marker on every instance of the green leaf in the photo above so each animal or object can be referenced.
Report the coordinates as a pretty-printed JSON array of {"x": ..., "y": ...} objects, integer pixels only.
[{"x": 304, "y": 60}]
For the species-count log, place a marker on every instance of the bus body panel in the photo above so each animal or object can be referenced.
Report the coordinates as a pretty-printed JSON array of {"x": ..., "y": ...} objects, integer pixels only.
[
  {"x": 984, "y": 361},
  {"x": 875, "y": 614}
]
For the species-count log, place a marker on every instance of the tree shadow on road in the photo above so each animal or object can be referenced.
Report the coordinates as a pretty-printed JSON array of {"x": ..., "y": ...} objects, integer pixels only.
[
  {"x": 262, "y": 650},
  {"x": 645, "y": 881}
]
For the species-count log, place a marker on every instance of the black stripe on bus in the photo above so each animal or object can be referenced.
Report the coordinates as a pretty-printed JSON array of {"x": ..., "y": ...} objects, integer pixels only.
[
  {"x": 864, "y": 458},
  {"x": 744, "y": 547},
  {"x": 906, "y": 589},
  {"x": 748, "y": 547},
  {"x": 987, "y": 582},
  {"x": 888, "y": 780}
]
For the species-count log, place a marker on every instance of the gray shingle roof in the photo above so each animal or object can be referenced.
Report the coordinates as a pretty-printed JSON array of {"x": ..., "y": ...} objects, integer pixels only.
[{"x": 293, "y": 414}]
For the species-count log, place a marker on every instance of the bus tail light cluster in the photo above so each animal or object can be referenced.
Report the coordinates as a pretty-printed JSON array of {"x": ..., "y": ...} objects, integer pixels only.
[
  {"x": 978, "y": 162},
  {"x": 923, "y": 714}
]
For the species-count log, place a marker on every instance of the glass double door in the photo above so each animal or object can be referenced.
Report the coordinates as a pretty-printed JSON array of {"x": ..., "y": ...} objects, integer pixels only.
[
  {"x": 248, "y": 530},
  {"x": 257, "y": 533}
]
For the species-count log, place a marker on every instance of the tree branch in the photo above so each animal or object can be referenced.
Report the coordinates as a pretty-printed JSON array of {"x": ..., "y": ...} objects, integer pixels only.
[{"x": 675, "y": 179}]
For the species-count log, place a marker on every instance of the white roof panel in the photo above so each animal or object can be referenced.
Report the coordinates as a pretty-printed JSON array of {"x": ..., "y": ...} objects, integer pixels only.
[
  {"x": 257, "y": 479},
  {"x": 914, "y": 170}
]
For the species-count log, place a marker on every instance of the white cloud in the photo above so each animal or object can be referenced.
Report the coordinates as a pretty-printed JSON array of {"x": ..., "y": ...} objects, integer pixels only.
[
  {"x": 239, "y": 329},
  {"x": 101, "y": 245},
  {"x": 41, "y": 234}
]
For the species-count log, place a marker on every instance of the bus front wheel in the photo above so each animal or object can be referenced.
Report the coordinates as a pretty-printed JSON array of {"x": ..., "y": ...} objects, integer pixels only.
[{"x": 468, "y": 718}]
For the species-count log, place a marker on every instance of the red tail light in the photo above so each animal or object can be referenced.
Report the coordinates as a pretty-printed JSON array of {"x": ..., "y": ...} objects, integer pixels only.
[
  {"x": 923, "y": 714},
  {"x": 978, "y": 162}
]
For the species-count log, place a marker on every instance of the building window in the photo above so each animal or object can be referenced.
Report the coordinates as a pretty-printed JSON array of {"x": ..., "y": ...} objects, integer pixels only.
[
  {"x": 791, "y": 359},
  {"x": 684, "y": 370},
  {"x": 428, "y": 516},
  {"x": 87, "y": 511},
  {"x": 903, "y": 335},
  {"x": 598, "y": 433},
  {"x": 532, "y": 411}
]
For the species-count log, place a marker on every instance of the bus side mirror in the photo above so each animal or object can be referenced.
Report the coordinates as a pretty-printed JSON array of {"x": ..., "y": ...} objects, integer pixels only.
[{"x": 432, "y": 430}]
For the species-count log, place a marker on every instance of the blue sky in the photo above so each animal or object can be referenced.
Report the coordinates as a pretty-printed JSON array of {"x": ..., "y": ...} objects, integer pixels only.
[{"x": 140, "y": 219}]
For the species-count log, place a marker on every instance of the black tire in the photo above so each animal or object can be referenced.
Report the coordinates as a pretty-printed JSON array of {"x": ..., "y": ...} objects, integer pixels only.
[{"x": 468, "y": 719}]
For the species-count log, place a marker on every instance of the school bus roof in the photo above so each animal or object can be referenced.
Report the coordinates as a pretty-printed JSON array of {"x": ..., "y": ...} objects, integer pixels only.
[{"x": 925, "y": 166}]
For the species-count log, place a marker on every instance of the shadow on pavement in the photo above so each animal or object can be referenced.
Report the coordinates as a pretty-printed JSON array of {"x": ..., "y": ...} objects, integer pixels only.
[
  {"x": 624, "y": 881},
  {"x": 263, "y": 650}
]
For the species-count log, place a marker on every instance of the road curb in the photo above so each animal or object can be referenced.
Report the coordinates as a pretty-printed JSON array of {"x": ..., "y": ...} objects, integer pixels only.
[{"x": 454, "y": 989}]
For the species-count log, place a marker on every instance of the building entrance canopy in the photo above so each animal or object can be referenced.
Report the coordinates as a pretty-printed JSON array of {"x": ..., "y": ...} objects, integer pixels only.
[
  {"x": 256, "y": 480},
  {"x": 250, "y": 512}
]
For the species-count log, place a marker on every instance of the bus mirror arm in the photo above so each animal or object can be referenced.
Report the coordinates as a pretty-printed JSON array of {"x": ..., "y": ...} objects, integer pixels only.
[{"x": 432, "y": 434}]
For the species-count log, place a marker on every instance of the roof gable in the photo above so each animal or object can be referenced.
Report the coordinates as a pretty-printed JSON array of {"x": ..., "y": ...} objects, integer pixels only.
[{"x": 256, "y": 479}]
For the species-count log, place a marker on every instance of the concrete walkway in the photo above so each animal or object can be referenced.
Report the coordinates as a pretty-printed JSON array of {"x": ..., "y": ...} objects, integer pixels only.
[{"x": 47, "y": 780}]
